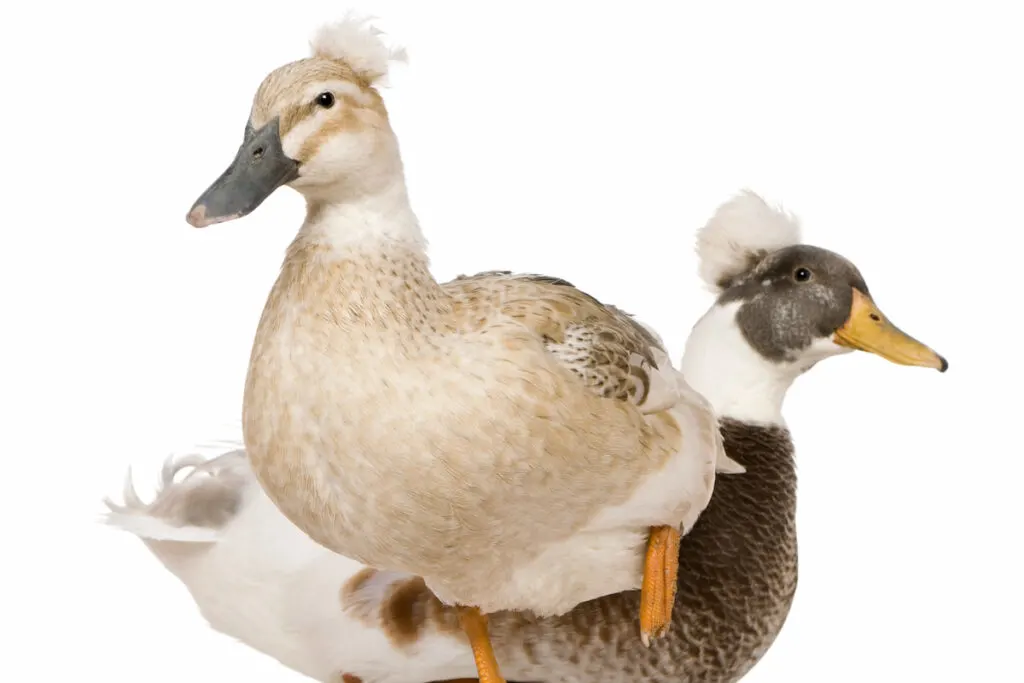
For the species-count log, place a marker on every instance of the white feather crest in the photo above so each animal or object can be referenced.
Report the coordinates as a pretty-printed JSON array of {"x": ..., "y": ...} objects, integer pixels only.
[
  {"x": 742, "y": 231},
  {"x": 360, "y": 46}
]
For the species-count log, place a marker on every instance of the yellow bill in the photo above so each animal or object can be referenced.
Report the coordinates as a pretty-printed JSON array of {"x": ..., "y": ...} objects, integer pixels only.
[{"x": 868, "y": 330}]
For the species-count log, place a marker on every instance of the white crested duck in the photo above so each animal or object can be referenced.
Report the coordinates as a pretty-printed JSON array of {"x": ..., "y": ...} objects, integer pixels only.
[
  {"x": 781, "y": 307},
  {"x": 494, "y": 434}
]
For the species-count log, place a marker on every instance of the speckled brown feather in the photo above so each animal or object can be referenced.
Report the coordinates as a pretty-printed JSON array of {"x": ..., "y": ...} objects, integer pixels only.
[{"x": 607, "y": 349}]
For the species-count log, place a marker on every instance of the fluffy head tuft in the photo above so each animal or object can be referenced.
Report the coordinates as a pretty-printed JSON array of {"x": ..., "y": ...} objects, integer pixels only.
[
  {"x": 358, "y": 45},
  {"x": 741, "y": 233}
]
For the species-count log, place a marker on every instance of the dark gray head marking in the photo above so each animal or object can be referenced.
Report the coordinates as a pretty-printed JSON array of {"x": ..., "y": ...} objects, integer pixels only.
[{"x": 792, "y": 297}]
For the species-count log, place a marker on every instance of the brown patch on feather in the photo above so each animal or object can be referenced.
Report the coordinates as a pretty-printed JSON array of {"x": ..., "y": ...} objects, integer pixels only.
[
  {"x": 361, "y": 609},
  {"x": 409, "y": 608},
  {"x": 358, "y": 580}
]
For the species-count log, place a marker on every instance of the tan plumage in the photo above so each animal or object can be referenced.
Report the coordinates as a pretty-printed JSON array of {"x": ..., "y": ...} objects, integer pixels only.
[
  {"x": 606, "y": 348},
  {"x": 493, "y": 435},
  {"x": 482, "y": 426}
]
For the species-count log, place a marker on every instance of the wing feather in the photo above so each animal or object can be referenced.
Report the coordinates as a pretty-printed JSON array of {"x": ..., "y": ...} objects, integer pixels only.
[{"x": 612, "y": 354}]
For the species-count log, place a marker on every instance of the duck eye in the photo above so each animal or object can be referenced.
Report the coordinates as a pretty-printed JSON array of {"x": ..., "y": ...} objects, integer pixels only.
[
  {"x": 325, "y": 100},
  {"x": 801, "y": 275}
]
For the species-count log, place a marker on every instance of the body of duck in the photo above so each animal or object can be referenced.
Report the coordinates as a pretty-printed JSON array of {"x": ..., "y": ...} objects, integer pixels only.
[
  {"x": 434, "y": 462},
  {"x": 492, "y": 435}
]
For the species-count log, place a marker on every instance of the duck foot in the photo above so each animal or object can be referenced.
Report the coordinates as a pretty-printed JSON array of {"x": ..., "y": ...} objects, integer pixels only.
[
  {"x": 658, "y": 590},
  {"x": 475, "y": 625}
]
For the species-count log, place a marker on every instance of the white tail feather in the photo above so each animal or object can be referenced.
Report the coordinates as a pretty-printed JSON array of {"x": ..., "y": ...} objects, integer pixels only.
[{"x": 192, "y": 510}]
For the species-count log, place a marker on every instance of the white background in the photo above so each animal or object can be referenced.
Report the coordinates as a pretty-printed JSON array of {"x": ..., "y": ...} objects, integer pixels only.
[{"x": 585, "y": 143}]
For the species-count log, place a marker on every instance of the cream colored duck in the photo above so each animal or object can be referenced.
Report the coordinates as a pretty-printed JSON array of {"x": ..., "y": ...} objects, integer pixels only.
[
  {"x": 258, "y": 578},
  {"x": 494, "y": 435}
]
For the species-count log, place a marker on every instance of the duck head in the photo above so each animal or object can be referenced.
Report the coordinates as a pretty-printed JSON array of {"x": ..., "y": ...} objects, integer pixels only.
[
  {"x": 801, "y": 304},
  {"x": 781, "y": 307},
  {"x": 317, "y": 125}
]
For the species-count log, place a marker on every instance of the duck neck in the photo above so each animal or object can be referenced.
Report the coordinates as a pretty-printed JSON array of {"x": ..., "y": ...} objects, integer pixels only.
[
  {"x": 746, "y": 537},
  {"x": 348, "y": 224},
  {"x": 740, "y": 383},
  {"x": 368, "y": 254}
]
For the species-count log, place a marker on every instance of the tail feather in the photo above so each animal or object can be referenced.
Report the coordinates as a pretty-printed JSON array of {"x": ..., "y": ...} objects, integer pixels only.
[{"x": 193, "y": 509}]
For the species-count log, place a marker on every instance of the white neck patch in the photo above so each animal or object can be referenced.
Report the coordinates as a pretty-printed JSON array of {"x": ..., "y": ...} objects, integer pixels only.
[
  {"x": 738, "y": 382},
  {"x": 365, "y": 222}
]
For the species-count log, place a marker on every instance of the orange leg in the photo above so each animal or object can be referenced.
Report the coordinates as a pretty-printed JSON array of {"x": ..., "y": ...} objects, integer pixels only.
[
  {"x": 475, "y": 625},
  {"x": 658, "y": 591}
]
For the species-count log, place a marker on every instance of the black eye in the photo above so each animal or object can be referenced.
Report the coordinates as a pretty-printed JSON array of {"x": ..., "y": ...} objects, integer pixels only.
[
  {"x": 325, "y": 100},
  {"x": 801, "y": 275}
]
